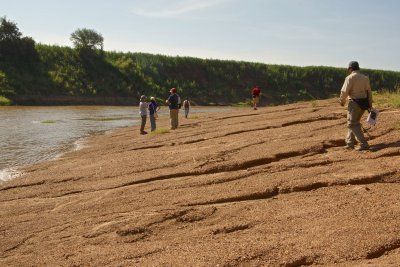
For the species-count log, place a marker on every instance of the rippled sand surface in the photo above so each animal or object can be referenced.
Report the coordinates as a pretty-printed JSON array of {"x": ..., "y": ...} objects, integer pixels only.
[{"x": 271, "y": 187}]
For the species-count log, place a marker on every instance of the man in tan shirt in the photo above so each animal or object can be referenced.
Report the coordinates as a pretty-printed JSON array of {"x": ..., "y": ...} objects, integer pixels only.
[{"x": 355, "y": 88}]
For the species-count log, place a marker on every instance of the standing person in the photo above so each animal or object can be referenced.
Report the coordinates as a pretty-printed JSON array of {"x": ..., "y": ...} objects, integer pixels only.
[
  {"x": 143, "y": 106},
  {"x": 256, "y": 96},
  {"x": 153, "y": 109},
  {"x": 173, "y": 103},
  {"x": 357, "y": 90},
  {"x": 186, "y": 106}
]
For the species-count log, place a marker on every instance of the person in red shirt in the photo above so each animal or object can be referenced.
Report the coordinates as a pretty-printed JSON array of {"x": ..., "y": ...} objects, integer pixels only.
[{"x": 256, "y": 92}]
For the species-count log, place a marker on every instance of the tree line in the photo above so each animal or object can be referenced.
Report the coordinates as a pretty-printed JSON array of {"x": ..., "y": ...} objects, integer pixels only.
[{"x": 32, "y": 73}]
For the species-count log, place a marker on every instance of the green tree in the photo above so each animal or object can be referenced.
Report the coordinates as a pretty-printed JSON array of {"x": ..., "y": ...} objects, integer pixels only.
[
  {"x": 8, "y": 30},
  {"x": 9, "y": 33},
  {"x": 87, "y": 39},
  {"x": 15, "y": 49}
]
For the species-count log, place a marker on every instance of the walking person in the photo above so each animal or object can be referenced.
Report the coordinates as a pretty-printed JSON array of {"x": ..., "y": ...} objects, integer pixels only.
[
  {"x": 357, "y": 90},
  {"x": 256, "y": 96},
  {"x": 143, "y": 106},
  {"x": 173, "y": 103},
  {"x": 153, "y": 109},
  {"x": 186, "y": 106}
]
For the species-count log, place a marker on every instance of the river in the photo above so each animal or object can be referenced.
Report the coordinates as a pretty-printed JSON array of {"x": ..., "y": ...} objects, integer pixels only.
[{"x": 33, "y": 134}]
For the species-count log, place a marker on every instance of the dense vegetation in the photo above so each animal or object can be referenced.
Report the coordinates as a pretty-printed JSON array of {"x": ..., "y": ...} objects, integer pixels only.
[
  {"x": 386, "y": 99},
  {"x": 33, "y": 73}
]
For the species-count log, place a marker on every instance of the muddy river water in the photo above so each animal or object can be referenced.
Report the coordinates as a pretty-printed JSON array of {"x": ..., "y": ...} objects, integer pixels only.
[{"x": 33, "y": 134}]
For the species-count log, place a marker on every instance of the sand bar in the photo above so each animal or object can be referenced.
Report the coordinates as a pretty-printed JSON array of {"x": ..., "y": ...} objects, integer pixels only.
[{"x": 271, "y": 187}]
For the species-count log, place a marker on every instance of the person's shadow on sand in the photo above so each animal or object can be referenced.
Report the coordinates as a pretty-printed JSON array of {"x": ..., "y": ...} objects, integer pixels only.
[{"x": 377, "y": 147}]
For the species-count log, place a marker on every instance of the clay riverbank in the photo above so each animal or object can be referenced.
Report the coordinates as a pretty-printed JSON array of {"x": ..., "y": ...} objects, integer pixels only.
[{"x": 271, "y": 187}]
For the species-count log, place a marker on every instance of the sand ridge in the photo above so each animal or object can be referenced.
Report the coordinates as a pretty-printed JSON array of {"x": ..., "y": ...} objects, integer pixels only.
[{"x": 271, "y": 187}]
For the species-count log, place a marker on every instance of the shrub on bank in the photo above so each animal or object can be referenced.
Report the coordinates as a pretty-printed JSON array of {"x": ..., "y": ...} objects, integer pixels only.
[{"x": 5, "y": 101}]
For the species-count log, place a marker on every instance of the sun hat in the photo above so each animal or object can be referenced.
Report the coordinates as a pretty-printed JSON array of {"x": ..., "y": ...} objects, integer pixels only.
[{"x": 143, "y": 97}]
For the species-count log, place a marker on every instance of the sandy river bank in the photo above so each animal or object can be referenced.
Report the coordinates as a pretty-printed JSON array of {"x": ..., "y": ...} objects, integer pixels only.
[{"x": 271, "y": 187}]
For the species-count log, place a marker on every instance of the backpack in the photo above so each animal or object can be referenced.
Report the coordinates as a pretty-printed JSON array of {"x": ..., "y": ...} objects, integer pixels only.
[{"x": 186, "y": 104}]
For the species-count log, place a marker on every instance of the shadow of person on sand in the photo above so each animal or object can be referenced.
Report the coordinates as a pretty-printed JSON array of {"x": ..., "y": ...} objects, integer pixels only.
[{"x": 378, "y": 147}]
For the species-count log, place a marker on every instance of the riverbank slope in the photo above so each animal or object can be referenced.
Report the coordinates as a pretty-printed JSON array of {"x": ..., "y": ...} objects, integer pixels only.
[{"x": 239, "y": 188}]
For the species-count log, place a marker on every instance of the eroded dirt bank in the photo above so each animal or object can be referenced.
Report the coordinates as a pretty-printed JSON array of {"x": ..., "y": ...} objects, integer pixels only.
[{"x": 271, "y": 187}]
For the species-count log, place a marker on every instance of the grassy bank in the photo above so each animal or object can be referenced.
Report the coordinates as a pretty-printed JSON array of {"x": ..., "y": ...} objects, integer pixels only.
[
  {"x": 386, "y": 99},
  {"x": 116, "y": 78}
]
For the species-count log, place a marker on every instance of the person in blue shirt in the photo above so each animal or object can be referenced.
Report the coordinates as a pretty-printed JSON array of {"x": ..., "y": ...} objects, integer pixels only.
[{"x": 153, "y": 109}]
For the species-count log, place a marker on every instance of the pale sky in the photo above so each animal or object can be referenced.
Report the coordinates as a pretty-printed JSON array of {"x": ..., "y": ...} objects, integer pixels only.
[{"x": 288, "y": 32}]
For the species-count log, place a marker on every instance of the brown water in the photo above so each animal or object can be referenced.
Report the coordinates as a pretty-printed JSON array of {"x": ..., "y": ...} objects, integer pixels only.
[{"x": 33, "y": 134}]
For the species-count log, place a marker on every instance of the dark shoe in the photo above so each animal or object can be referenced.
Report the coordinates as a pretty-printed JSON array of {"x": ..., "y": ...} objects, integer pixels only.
[
  {"x": 362, "y": 148},
  {"x": 143, "y": 132},
  {"x": 348, "y": 147}
]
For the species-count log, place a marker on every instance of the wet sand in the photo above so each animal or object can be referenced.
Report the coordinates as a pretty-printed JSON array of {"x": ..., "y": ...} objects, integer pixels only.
[{"x": 271, "y": 187}]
